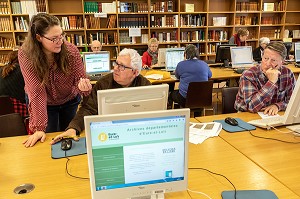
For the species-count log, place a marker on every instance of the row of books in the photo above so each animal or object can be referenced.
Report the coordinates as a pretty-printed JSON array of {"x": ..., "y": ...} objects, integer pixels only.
[
  {"x": 4, "y": 7},
  {"x": 162, "y": 6},
  {"x": 246, "y": 20},
  {"x": 28, "y": 6},
  {"x": 211, "y": 48},
  {"x": 95, "y": 22},
  {"x": 5, "y": 24},
  {"x": 164, "y": 21},
  {"x": 277, "y": 6},
  {"x": 133, "y": 22},
  {"x": 133, "y": 7},
  {"x": 271, "y": 20},
  {"x": 21, "y": 24},
  {"x": 217, "y": 35},
  {"x": 247, "y": 6},
  {"x": 6, "y": 42},
  {"x": 219, "y": 21},
  {"x": 76, "y": 39},
  {"x": 192, "y": 20},
  {"x": 4, "y": 59},
  {"x": 192, "y": 36},
  {"x": 271, "y": 33},
  {"x": 72, "y": 22},
  {"x": 97, "y": 7},
  {"x": 295, "y": 34},
  {"x": 165, "y": 36},
  {"x": 104, "y": 37}
]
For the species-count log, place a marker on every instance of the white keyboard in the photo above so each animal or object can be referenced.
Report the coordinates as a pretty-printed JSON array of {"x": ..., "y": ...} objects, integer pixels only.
[{"x": 267, "y": 122}]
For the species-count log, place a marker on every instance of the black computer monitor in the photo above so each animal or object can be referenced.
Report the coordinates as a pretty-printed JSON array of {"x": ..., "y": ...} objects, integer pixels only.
[
  {"x": 288, "y": 46},
  {"x": 223, "y": 54}
]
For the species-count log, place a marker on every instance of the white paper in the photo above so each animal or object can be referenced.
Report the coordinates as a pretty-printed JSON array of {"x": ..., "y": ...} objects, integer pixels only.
[
  {"x": 202, "y": 131},
  {"x": 135, "y": 32}
]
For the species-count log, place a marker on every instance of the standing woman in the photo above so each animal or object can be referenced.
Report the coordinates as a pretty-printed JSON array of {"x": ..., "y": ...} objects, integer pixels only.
[
  {"x": 54, "y": 77},
  {"x": 150, "y": 57}
]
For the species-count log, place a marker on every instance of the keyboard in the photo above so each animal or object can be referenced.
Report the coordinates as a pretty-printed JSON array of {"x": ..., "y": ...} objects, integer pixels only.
[
  {"x": 268, "y": 122},
  {"x": 95, "y": 77}
]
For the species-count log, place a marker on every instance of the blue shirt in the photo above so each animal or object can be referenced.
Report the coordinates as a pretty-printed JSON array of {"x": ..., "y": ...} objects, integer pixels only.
[{"x": 193, "y": 70}]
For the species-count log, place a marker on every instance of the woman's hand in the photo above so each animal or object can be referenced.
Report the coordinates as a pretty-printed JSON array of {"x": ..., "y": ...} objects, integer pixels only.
[
  {"x": 84, "y": 85},
  {"x": 68, "y": 133},
  {"x": 32, "y": 139}
]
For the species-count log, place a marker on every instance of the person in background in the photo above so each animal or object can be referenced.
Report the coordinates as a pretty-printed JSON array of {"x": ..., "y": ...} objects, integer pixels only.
[
  {"x": 96, "y": 46},
  {"x": 190, "y": 70},
  {"x": 126, "y": 73},
  {"x": 240, "y": 37},
  {"x": 54, "y": 77},
  {"x": 258, "y": 52},
  {"x": 269, "y": 86},
  {"x": 12, "y": 83},
  {"x": 150, "y": 57}
]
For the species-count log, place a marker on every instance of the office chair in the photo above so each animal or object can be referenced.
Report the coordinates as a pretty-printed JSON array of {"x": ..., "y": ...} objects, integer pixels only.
[
  {"x": 199, "y": 95},
  {"x": 228, "y": 99},
  {"x": 6, "y": 105},
  {"x": 12, "y": 125}
]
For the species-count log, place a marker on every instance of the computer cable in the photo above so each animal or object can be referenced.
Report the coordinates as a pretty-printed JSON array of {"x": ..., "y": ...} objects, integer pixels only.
[
  {"x": 198, "y": 192},
  {"x": 200, "y": 168},
  {"x": 67, "y": 170}
]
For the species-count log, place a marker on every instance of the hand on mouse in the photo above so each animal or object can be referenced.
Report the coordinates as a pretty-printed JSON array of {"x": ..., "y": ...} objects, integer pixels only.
[
  {"x": 32, "y": 139},
  {"x": 68, "y": 133}
]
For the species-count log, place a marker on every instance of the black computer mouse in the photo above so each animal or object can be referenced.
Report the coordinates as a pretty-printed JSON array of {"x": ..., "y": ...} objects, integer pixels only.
[
  {"x": 231, "y": 121},
  {"x": 66, "y": 144}
]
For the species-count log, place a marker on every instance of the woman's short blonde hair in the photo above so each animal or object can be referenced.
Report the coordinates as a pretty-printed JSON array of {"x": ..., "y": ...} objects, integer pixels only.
[
  {"x": 152, "y": 41},
  {"x": 243, "y": 32}
]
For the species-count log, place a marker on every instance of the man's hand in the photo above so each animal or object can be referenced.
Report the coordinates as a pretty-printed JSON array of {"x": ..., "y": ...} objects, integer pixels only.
[
  {"x": 271, "y": 110},
  {"x": 273, "y": 74},
  {"x": 67, "y": 133},
  {"x": 84, "y": 84},
  {"x": 32, "y": 139}
]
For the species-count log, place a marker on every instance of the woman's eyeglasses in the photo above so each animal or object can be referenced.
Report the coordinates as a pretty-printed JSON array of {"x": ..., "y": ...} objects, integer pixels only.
[
  {"x": 121, "y": 67},
  {"x": 57, "y": 39}
]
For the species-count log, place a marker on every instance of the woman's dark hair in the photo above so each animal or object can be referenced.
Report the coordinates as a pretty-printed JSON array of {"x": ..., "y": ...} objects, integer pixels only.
[
  {"x": 11, "y": 65},
  {"x": 39, "y": 25},
  {"x": 191, "y": 52}
]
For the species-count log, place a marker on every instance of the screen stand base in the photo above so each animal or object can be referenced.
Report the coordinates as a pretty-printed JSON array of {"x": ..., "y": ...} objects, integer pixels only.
[{"x": 153, "y": 196}]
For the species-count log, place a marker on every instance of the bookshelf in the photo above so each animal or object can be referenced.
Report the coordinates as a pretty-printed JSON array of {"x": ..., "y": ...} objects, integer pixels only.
[{"x": 205, "y": 23}]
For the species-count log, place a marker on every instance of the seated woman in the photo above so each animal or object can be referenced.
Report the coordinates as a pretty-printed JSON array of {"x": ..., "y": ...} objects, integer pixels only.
[
  {"x": 258, "y": 52},
  {"x": 190, "y": 70},
  {"x": 150, "y": 57},
  {"x": 12, "y": 83},
  {"x": 240, "y": 37}
]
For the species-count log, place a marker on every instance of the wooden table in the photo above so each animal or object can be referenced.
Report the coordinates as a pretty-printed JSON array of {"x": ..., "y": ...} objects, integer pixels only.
[
  {"x": 34, "y": 165},
  {"x": 281, "y": 160}
]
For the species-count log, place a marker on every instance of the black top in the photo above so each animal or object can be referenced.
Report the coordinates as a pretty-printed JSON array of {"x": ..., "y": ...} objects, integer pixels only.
[
  {"x": 13, "y": 84},
  {"x": 257, "y": 53}
]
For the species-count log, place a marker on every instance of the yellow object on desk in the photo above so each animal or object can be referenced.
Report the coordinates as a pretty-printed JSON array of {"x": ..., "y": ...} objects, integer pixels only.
[{"x": 163, "y": 74}]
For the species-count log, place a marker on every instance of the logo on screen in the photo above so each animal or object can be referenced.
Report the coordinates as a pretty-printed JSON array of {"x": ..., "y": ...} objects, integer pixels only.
[{"x": 102, "y": 137}]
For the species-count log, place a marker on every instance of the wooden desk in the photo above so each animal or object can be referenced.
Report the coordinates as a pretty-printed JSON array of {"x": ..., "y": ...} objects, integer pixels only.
[
  {"x": 281, "y": 160},
  {"x": 34, "y": 165}
]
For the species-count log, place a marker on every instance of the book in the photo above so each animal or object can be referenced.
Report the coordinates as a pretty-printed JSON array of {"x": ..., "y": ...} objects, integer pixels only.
[
  {"x": 268, "y": 7},
  {"x": 189, "y": 7}
]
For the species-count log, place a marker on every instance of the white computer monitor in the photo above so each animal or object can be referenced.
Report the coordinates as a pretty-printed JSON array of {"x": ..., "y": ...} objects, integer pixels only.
[
  {"x": 96, "y": 63},
  {"x": 297, "y": 52},
  {"x": 133, "y": 99},
  {"x": 137, "y": 154},
  {"x": 241, "y": 56},
  {"x": 173, "y": 57}
]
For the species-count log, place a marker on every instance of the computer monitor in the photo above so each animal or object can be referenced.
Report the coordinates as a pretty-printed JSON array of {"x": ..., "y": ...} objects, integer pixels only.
[
  {"x": 96, "y": 63},
  {"x": 288, "y": 46},
  {"x": 297, "y": 52},
  {"x": 133, "y": 99},
  {"x": 173, "y": 57},
  {"x": 241, "y": 56},
  {"x": 139, "y": 154},
  {"x": 223, "y": 54}
]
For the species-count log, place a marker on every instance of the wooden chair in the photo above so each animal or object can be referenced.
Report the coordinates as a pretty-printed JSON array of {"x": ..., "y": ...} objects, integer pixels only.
[
  {"x": 6, "y": 105},
  {"x": 228, "y": 99},
  {"x": 12, "y": 125},
  {"x": 199, "y": 96}
]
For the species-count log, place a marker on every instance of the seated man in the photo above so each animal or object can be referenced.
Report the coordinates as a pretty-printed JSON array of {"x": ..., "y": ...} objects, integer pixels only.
[
  {"x": 126, "y": 74},
  {"x": 269, "y": 86},
  {"x": 96, "y": 46}
]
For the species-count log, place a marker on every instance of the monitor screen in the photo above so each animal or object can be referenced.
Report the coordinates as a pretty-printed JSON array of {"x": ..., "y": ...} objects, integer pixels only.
[
  {"x": 96, "y": 62},
  {"x": 223, "y": 54},
  {"x": 241, "y": 55},
  {"x": 288, "y": 46},
  {"x": 297, "y": 51},
  {"x": 133, "y": 99},
  {"x": 173, "y": 57},
  {"x": 137, "y": 154}
]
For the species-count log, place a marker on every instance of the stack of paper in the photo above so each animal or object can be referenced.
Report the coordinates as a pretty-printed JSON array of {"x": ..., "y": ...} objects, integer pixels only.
[
  {"x": 155, "y": 76},
  {"x": 201, "y": 131}
]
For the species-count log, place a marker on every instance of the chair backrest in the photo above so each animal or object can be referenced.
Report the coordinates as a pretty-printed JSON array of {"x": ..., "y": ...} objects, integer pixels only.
[
  {"x": 12, "y": 125},
  {"x": 228, "y": 99},
  {"x": 6, "y": 105},
  {"x": 199, "y": 94}
]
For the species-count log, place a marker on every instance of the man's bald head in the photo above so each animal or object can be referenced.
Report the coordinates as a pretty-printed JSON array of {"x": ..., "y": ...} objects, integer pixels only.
[{"x": 96, "y": 46}]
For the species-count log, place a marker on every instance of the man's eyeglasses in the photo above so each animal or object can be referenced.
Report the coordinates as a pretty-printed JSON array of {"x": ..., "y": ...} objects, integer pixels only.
[
  {"x": 121, "y": 67},
  {"x": 57, "y": 39}
]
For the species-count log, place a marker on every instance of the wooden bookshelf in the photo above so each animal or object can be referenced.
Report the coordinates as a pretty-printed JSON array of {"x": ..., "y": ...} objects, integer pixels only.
[{"x": 211, "y": 22}]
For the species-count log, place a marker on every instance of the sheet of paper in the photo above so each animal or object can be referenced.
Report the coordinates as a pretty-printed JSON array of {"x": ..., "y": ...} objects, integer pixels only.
[{"x": 199, "y": 132}]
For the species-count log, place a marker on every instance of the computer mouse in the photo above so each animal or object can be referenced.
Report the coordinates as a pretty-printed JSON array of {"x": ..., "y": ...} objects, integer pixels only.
[
  {"x": 66, "y": 144},
  {"x": 231, "y": 121}
]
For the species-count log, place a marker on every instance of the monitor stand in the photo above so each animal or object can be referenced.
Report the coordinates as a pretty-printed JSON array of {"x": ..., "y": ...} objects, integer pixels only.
[{"x": 153, "y": 196}]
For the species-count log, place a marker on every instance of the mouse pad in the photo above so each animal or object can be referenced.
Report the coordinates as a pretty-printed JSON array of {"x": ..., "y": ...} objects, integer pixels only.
[
  {"x": 249, "y": 194},
  {"x": 78, "y": 148},
  {"x": 231, "y": 129}
]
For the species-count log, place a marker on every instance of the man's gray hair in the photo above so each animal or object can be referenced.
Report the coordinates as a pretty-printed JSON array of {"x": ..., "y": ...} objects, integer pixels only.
[
  {"x": 136, "y": 60},
  {"x": 264, "y": 40}
]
